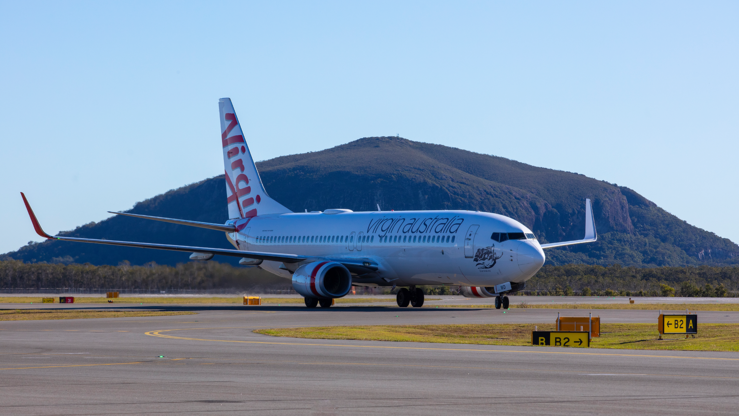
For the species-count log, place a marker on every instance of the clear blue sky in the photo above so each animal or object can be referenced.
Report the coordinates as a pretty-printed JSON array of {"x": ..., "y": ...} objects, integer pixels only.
[{"x": 103, "y": 104}]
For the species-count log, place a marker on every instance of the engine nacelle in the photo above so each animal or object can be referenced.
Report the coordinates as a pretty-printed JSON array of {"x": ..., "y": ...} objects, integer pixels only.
[
  {"x": 478, "y": 292},
  {"x": 322, "y": 280}
]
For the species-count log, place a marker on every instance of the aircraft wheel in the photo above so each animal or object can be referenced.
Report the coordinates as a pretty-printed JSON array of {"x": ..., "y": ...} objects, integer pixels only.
[
  {"x": 325, "y": 303},
  {"x": 311, "y": 302},
  {"x": 497, "y": 302},
  {"x": 417, "y": 300},
  {"x": 403, "y": 297},
  {"x": 505, "y": 302}
]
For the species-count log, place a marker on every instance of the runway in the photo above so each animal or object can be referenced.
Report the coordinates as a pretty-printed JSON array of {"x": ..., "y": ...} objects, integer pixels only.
[{"x": 212, "y": 363}]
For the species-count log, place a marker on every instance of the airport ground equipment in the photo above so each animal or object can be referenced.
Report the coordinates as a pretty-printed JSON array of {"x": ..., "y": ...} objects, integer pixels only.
[
  {"x": 579, "y": 323},
  {"x": 47, "y": 300},
  {"x": 111, "y": 295},
  {"x": 682, "y": 324},
  {"x": 573, "y": 339},
  {"x": 253, "y": 300}
]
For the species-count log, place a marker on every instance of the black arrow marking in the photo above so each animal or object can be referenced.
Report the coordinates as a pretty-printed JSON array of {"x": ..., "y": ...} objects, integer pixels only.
[
  {"x": 579, "y": 342},
  {"x": 668, "y": 323}
]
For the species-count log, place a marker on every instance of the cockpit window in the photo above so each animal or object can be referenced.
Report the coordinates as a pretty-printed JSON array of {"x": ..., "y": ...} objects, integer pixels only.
[{"x": 501, "y": 237}]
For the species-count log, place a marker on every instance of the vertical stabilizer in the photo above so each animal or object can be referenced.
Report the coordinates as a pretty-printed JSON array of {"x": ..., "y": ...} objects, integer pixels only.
[{"x": 246, "y": 195}]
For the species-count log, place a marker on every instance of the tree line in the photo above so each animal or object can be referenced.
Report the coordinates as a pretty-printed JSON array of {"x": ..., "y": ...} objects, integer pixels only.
[{"x": 572, "y": 279}]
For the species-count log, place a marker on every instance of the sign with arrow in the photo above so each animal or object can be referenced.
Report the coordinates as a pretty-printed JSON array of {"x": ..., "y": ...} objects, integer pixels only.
[
  {"x": 678, "y": 324},
  {"x": 573, "y": 339}
]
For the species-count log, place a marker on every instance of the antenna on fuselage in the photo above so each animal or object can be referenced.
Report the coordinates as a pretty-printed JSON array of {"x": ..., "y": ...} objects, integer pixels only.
[{"x": 378, "y": 207}]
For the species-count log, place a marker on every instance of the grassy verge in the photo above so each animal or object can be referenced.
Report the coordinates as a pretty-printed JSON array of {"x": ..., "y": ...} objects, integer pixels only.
[
  {"x": 170, "y": 300},
  {"x": 711, "y": 337},
  {"x": 41, "y": 315},
  {"x": 727, "y": 307}
]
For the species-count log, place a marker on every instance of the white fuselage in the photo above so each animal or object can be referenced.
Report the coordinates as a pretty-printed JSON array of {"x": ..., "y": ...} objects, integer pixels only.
[{"x": 408, "y": 247}]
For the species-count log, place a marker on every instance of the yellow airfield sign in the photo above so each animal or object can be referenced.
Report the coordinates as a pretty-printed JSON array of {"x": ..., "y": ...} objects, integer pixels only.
[
  {"x": 573, "y": 339},
  {"x": 678, "y": 324}
]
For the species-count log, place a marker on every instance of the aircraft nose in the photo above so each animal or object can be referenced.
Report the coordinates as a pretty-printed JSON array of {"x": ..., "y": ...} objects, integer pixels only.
[{"x": 530, "y": 258}]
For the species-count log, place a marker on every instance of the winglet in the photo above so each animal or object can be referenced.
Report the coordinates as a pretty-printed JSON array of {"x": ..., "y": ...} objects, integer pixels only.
[
  {"x": 36, "y": 225},
  {"x": 590, "y": 233}
]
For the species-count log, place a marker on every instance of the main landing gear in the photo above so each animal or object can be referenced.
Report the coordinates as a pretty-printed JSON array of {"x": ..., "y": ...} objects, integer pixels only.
[
  {"x": 413, "y": 296},
  {"x": 313, "y": 302},
  {"x": 501, "y": 301}
]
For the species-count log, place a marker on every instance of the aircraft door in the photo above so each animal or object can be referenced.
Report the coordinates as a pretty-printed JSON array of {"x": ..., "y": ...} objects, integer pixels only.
[
  {"x": 360, "y": 236},
  {"x": 352, "y": 241},
  {"x": 469, "y": 241}
]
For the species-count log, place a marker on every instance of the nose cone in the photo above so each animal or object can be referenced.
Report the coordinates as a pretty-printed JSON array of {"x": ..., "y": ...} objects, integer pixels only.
[{"x": 530, "y": 258}]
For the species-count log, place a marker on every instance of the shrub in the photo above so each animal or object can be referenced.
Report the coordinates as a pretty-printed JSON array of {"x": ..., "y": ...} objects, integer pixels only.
[{"x": 667, "y": 291}]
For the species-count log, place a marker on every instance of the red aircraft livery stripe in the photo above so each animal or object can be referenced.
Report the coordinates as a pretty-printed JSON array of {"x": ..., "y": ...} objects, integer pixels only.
[
  {"x": 313, "y": 278},
  {"x": 474, "y": 291}
]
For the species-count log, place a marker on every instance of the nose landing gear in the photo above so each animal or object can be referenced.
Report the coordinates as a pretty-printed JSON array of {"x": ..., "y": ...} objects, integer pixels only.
[{"x": 501, "y": 300}]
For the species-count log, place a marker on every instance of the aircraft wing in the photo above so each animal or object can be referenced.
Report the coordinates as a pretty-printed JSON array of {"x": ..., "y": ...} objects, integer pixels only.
[
  {"x": 285, "y": 258},
  {"x": 590, "y": 234}
]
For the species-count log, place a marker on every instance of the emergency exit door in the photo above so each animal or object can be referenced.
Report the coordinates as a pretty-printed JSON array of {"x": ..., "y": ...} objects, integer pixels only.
[{"x": 469, "y": 241}]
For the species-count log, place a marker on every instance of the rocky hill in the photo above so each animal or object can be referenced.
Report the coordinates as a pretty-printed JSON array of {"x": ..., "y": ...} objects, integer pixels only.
[{"x": 401, "y": 174}]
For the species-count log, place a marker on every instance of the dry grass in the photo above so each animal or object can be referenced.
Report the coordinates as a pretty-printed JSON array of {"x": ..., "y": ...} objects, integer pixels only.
[
  {"x": 711, "y": 337},
  {"x": 42, "y": 315},
  {"x": 186, "y": 300}
]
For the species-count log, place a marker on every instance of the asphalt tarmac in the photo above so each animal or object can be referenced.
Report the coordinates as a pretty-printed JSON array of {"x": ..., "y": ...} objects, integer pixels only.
[{"x": 212, "y": 363}]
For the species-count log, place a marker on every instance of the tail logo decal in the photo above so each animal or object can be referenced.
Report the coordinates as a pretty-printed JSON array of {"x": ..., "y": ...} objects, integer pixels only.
[{"x": 239, "y": 187}]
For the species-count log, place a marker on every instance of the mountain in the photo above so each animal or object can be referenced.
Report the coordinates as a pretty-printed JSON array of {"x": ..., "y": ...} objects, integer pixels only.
[{"x": 400, "y": 174}]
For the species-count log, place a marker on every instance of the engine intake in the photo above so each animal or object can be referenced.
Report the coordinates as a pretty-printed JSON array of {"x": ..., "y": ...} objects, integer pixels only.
[{"x": 322, "y": 280}]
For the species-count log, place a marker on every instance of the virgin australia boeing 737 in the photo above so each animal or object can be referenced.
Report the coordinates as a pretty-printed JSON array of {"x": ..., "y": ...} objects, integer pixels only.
[{"x": 326, "y": 253}]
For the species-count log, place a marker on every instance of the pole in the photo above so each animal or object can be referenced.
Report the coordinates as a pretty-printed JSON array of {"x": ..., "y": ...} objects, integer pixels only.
[
  {"x": 590, "y": 327},
  {"x": 557, "y": 321}
]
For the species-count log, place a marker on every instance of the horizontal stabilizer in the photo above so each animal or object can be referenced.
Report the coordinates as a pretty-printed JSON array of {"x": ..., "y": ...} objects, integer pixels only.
[
  {"x": 590, "y": 234},
  {"x": 206, "y": 225}
]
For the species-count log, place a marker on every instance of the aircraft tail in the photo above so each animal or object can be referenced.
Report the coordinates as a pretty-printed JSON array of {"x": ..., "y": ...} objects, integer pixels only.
[{"x": 246, "y": 195}]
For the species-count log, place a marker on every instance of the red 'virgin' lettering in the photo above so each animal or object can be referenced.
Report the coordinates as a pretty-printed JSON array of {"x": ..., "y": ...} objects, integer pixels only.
[
  {"x": 238, "y": 163},
  {"x": 233, "y": 152}
]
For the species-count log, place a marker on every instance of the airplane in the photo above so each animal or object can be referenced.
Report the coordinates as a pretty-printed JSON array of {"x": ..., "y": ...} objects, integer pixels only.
[{"x": 327, "y": 252}]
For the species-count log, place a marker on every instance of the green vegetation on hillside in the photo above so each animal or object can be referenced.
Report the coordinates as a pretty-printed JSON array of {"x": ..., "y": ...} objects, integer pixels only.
[{"x": 401, "y": 174}]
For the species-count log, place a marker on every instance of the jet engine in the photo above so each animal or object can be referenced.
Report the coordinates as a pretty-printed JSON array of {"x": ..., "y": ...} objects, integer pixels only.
[
  {"x": 478, "y": 292},
  {"x": 322, "y": 280}
]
